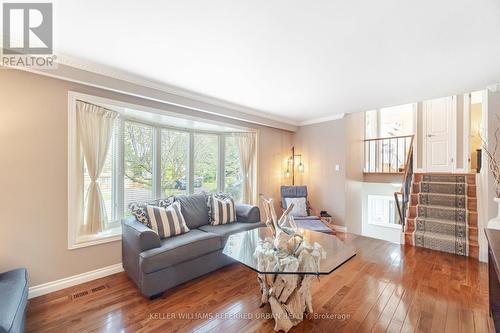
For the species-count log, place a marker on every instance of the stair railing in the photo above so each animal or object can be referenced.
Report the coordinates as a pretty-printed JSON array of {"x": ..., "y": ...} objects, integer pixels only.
[
  {"x": 405, "y": 191},
  {"x": 387, "y": 155}
]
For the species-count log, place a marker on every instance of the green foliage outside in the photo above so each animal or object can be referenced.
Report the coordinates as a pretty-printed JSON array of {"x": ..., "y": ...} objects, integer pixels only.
[{"x": 205, "y": 161}]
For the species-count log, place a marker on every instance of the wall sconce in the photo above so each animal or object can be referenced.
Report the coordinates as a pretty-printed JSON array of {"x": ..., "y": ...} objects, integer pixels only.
[{"x": 292, "y": 163}]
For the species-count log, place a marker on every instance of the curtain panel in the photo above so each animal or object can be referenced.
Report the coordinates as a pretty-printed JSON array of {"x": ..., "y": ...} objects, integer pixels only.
[
  {"x": 247, "y": 150},
  {"x": 95, "y": 132}
]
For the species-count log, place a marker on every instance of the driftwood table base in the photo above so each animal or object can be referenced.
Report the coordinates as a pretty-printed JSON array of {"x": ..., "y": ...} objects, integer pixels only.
[{"x": 289, "y": 297}]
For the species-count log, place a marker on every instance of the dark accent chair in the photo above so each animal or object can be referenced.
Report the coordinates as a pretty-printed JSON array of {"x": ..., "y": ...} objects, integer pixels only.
[
  {"x": 13, "y": 300},
  {"x": 309, "y": 222},
  {"x": 157, "y": 264}
]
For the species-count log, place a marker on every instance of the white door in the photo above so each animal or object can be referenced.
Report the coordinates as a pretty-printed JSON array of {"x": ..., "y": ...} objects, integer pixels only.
[{"x": 438, "y": 131}]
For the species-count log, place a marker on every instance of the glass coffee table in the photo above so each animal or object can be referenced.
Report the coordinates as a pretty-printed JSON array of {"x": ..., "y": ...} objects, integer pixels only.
[{"x": 285, "y": 279}]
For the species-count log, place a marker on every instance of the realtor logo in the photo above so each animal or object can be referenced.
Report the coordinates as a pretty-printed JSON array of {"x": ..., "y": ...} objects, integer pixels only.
[{"x": 27, "y": 34}]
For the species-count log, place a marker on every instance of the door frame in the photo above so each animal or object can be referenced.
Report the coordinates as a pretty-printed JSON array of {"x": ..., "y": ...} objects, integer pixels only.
[
  {"x": 452, "y": 133},
  {"x": 466, "y": 135}
]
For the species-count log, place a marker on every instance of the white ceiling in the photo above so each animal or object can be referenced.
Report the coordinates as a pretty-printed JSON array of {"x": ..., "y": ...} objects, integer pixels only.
[{"x": 296, "y": 60}]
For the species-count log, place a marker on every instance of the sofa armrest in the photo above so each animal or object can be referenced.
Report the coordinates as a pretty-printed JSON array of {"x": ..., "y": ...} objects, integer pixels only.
[
  {"x": 247, "y": 213},
  {"x": 139, "y": 236}
]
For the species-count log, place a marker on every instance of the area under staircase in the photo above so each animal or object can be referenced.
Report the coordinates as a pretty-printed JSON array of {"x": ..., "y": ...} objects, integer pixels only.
[{"x": 442, "y": 213}]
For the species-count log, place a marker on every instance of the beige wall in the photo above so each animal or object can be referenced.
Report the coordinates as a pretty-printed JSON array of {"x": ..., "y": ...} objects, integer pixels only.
[
  {"x": 354, "y": 170},
  {"x": 323, "y": 147},
  {"x": 33, "y": 175},
  {"x": 493, "y": 105}
]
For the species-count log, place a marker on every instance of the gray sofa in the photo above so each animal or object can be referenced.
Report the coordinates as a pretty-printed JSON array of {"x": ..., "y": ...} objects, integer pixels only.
[
  {"x": 13, "y": 300},
  {"x": 156, "y": 265}
]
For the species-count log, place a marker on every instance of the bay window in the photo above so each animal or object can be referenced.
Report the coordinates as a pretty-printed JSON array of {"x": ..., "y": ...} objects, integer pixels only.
[{"x": 148, "y": 160}]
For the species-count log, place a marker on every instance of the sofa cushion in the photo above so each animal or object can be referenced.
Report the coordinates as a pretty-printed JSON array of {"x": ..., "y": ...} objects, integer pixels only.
[
  {"x": 225, "y": 230},
  {"x": 180, "y": 248},
  {"x": 139, "y": 210},
  {"x": 167, "y": 222},
  {"x": 194, "y": 209},
  {"x": 222, "y": 210},
  {"x": 13, "y": 300}
]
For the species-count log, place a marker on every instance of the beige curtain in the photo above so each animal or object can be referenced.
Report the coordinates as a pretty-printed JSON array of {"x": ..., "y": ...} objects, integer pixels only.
[
  {"x": 95, "y": 130},
  {"x": 247, "y": 151}
]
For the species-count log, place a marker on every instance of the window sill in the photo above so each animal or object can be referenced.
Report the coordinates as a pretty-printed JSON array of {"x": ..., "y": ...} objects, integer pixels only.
[
  {"x": 108, "y": 236},
  {"x": 387, "y": 225}
]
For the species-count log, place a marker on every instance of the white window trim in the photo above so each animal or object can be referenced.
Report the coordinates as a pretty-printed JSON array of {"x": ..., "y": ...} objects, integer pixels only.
[
  {"x": 72, "y": 176},
  {"x": 386, "y": 225},
  {"x": 114, "y": 234}
]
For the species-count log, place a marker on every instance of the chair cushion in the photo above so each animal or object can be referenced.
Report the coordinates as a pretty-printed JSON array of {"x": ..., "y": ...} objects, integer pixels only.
[
  {"x": 290, "y": 191},
  {"x": 13, "y": 300},
  {"x": 225, "y": 230},
  {"x": 194, "y": 209},
  {"x": 310, "y": 217},
  {"x": 314, "y": 225},
  {"x": 180, "y": 248},
  {"x": 299, "y": 206}
]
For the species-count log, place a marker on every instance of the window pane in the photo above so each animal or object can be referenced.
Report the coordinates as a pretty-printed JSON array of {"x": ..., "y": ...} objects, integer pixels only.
[
  {"x": 105, "y": 183},
  {"x": 232, "y": 172},
  {"x": 205, "y": 163},
  {"x": 371, "y": 124},
  {"x": 396, "y": 120},
  {"x": 138, "y": 168},
  {"x": 174, "y": 161}
]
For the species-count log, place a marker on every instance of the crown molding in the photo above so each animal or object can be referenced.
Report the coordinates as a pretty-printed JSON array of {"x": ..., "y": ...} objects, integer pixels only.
[
  {"x": 132, "y": 78},
  {"x": 104, "y": 77},
  {"x": 107, "y": 78},
  {"x": 322, "y": 119}
]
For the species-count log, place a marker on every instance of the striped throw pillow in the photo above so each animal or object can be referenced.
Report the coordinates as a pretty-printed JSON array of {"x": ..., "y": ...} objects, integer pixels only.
[
  {"x": 223, "y": 210},
  {"x": 139, "y": 210},
  {"x": 167, "y": 222}
]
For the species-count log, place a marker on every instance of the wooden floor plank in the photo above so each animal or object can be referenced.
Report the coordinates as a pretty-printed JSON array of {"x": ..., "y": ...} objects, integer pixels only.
[{"x": 384, "y": 288}]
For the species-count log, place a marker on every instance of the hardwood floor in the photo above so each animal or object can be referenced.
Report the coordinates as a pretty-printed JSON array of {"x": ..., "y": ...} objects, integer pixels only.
[{"x": 384, "y": 288}]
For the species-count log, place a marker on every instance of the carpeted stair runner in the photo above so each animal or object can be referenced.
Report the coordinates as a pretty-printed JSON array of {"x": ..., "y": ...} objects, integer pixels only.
[{"x": 439, "y": 215}]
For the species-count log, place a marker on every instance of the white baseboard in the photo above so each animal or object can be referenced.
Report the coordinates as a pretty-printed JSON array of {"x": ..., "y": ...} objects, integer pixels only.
[
  {"x": 70, "y": 281},
  {"x": 339, "y": 228}
]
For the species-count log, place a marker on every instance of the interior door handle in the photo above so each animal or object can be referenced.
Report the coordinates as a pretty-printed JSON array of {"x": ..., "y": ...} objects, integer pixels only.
[{"x": 430, "y": 135}]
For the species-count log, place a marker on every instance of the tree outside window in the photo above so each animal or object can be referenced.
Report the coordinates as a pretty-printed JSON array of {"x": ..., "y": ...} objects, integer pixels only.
[
  {"x": 174, "y": 162},
  {"x": 205, "y": 162},
  {"x": 233, "y": 180},
  {"x": 138, "y": 168}
]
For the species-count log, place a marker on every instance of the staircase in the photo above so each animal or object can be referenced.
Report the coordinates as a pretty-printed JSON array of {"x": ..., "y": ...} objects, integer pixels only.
[{"x": 442, "y": 213}]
